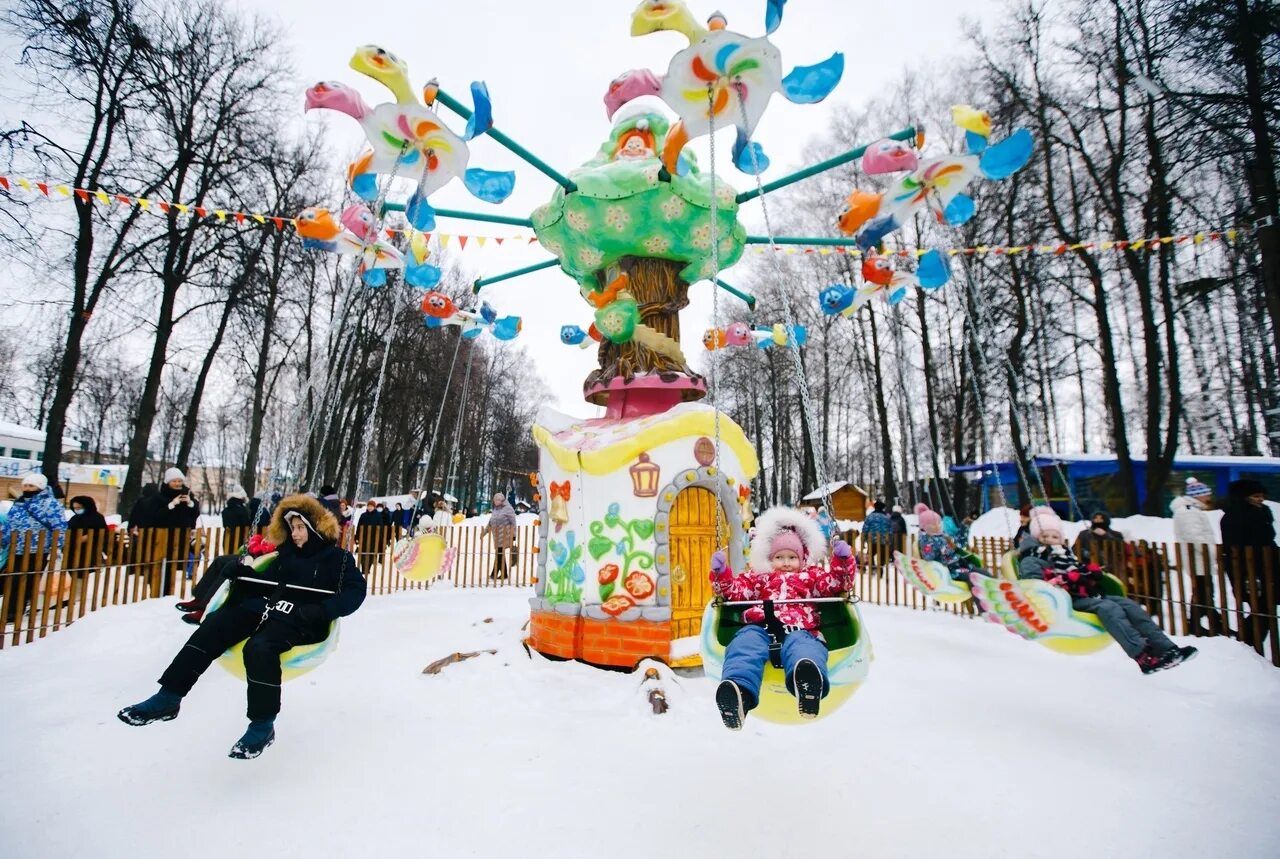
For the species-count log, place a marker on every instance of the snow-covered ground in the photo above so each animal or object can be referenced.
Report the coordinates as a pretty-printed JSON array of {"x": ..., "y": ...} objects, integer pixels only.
[{"x": 965, "y": 742}]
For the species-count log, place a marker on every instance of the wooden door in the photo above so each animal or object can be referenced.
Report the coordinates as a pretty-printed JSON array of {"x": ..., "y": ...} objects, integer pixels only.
[{"x": 693, "y": 540}]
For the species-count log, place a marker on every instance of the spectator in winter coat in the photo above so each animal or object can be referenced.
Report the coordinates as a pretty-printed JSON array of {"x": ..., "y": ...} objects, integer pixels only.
[
  {"x": 1024, "y": 527},
  {"x": 1100, "y": 544},
  {"x": 502, "y": 527},
  {"x": 236, "y": 520},
  {"x": 85, "y": 518},
  {"x": 877, "y": 526},
  {"x": 174, "y": 507},
  {"x": 144, "y": 509},
  {"x": 1248, "y": 531},
  {"x": 372, "y": 534},
  {"x": 786, "y": 555},
  {"x": 443, "y": 517},
  {"x": 36, "y": 528},
  {"x": 1124, "y": 619},
  {"x": 1192, "y": 526},
  {"x": 898, "y": 524},
  {"x": 270, "y": 619},
  {"x": 329, "y": 498}
]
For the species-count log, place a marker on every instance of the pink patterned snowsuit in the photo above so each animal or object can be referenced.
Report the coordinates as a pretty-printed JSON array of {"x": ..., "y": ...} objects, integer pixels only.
[{"x": 812, "y": 581}]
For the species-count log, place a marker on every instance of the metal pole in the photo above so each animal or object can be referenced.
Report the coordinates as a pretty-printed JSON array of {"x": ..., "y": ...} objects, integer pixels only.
[
  {"x": 749, "y": 299},
  {"x": 469, "y": 216},
  {"x": 822, "y": 166},
  {"x": 800, "y": 240},
  {"x": 529, "y": 269},
  {"x": 465, "y": 112}
]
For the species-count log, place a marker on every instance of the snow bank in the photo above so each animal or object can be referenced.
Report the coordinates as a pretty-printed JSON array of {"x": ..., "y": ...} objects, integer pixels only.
[{"x": 965, "y": 742}]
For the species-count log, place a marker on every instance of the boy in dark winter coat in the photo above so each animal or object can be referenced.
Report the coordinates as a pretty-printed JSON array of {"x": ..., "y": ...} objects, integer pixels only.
[
  {"x": 273, "y": 619},
  {"x": 786, "y": 555},
  {"x": 1050, "y": 559}
]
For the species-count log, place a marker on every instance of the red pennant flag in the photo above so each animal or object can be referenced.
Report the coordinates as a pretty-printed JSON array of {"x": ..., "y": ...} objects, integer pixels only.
[
  {"x": 121, "y": 198},
  {"x": 239, "y": 217},
  {"x": 499, "y": 240},
  {"x": 1120, "y": 246},
  {"x": 164, "y": 207},
  {"x": 462, "y": 242},
  {"x": 4, "y": 182},
  {"x": 391, "y": 234},
  {"x": 279, "y": 222},
  {"x": 201, "y": 211},
  {"x": 83, "y": 195},
  {"x": 532, "y": 240},
  {"x": 44, "y": 188},
  {"x": 426, "y": 237},
  {"x": 808, "y": 250}
]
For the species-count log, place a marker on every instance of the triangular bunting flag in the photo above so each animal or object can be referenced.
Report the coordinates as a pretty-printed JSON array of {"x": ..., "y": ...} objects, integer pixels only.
[
  {"x": 83, "y": 195},
  {"x": 239, "y": 217},
  {"x": 102, "y": 197},
  {"x": 145, "y": 204},
  {"x": 279, "y": 222},
  {"x": 201, "y": 211},
  {"x": 444, "y": 240},
  {"x": 121, "y": 198},
  {"x": 259, "y": 218},
  {"x": 462, "y": 242},
  {"x": 44, "y": 188},
  {"x": 499, "y": 240},
  {"x": 4, "y": 182},
  {"x": 480, "y": 240},
  {"x": 23, "y": 183}
]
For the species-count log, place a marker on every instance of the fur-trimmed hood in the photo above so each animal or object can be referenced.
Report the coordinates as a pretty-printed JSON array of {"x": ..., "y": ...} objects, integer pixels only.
[
  {"x": 773, "y": 521},
  {"x": 322, "y": 521}
]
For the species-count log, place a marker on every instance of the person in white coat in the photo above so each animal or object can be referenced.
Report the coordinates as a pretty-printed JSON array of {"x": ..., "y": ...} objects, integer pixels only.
[{"x": 1192, "y": 525}]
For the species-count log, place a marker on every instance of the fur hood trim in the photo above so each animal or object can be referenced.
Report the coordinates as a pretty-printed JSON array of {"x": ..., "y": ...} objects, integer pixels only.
[
  {"x": 772, "y": 522},
  {"x": 322, "y": 521}
]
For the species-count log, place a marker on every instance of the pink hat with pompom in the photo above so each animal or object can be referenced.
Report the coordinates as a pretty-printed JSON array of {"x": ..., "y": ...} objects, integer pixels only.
[
  {"x": 1043, "y": 518},
  {"x": 787, "y": 540},
  {"x": 926, "y": 517}
]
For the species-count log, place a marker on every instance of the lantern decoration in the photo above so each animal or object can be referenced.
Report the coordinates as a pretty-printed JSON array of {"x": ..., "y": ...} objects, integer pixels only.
[
  {"x": 744, "y": 505},
  {"x": 644, "y": 477},
  {"x": 704, "y": 451}
]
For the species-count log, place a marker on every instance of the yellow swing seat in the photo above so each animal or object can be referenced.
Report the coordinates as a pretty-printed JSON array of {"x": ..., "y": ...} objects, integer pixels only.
[
  {"x": 293, "y": 662},
  {"x": 849, "y": 656},
  {"x": 1041, "y": 612},
  {"x": 930, "y": 578}
]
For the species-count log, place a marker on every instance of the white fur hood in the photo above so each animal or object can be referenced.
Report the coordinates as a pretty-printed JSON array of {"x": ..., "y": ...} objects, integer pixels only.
[{"x": 772, "y": 522}]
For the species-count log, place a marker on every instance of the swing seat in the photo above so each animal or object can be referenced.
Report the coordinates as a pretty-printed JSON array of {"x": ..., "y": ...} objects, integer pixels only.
[
  {"x": 848, "y": 659},
  {"x": 1041, "y": 612},
  {"x": 421, "y": 558},
  {"x": 293, "y": 662},
  {"x": 930, "y": 578}
]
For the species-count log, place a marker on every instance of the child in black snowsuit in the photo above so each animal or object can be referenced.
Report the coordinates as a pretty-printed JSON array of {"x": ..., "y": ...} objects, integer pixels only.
[
  {"x": 270, "y": 619},
  {"x": 1049, "y": 558}
]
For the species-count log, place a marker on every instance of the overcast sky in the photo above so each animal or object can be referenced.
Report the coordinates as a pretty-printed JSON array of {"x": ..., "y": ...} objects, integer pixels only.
[{"x": 547, "y": 67}]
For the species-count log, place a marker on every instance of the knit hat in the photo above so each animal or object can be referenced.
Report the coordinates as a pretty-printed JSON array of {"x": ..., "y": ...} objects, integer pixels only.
[
  {"x": 35, "y": 479},
  {"x": 926, "y": 517},
  {"x": 1043, "y": 518},
  {"x": 879, "y": 506},
  {"x": 174, "y": 474},
  {"x": 1196, "y": 489},
  {"x": 786, "y": 541}
]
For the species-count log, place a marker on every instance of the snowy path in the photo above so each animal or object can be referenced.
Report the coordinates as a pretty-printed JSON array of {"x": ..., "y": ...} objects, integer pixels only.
[{"x": 965, "y": 741}]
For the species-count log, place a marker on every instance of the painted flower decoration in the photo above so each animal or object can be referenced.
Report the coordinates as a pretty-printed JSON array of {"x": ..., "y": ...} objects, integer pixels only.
[{"x": 617, "y": 321}]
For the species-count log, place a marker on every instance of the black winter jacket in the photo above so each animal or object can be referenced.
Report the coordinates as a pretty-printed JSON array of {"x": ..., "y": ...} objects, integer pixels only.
[
  {"x": 318, "y": 564},
  {"x": 236, "y": 514}
]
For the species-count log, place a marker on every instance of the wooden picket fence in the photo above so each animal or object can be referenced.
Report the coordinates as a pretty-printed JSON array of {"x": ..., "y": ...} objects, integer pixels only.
[{"x": 1188, "y": 589}]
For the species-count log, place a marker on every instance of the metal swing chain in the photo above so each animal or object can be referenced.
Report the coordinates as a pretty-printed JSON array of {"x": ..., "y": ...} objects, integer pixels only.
[
  {"x": 793, "y": 347},
  {"x": 715, "y": 303}
]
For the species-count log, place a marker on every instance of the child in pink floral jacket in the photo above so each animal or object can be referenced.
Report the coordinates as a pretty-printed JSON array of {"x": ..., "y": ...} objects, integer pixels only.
[{"x": 785, "y": 564}]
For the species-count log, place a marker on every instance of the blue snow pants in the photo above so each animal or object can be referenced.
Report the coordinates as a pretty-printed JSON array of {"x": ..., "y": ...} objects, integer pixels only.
[
  {"x": 1129, "y": 624},
  {"x": 746, "y": 655}
]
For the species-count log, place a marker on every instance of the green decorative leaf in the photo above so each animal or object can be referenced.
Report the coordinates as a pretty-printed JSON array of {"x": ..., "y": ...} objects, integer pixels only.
[
  {"x": 606, "y": 591},
  {"x": 642, "y": 528},
  {"x": 599, "y": 547}
]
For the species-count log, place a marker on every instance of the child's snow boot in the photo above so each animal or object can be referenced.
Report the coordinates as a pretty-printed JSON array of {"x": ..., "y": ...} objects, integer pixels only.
[
  {"x": 732, "y": 708},
  {"x": 1186, "y": 654},
  {"x": 189, "y": 605},
  {"x": 807, "y": 680},
  {"x": 255, "y": 740},
  {"x": 193, "y": 617},
  {"x": 160, "y": 707},
  {"x": 1150, "y": 662}
]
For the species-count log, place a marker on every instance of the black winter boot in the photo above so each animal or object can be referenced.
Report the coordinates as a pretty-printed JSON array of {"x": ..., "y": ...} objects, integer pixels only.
[
  {"x": 733, "y": 710},
  {"x": 807, "y": 679},
  {"x": 160, "y": 707},
  {"x": 255, "y": 740}
]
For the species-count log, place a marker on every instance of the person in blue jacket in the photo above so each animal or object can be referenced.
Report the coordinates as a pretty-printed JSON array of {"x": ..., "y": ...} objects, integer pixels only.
[{"x": 273, "y": 619}]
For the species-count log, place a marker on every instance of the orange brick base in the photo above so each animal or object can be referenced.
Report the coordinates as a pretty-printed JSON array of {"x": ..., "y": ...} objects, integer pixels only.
[{"x": 599, "y": 642}]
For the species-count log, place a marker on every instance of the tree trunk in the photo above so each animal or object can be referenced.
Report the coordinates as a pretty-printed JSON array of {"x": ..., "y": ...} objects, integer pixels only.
[{"x": 882, "y": 413}]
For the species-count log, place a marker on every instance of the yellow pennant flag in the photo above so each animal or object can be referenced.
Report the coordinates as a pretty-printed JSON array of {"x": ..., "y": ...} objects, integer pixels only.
[
  {"x": 103, "y": 198},
  {"x": 63, "y": 190},
  {"x": 1199, "y": 238},
  {"x": 259, "y": 218},
  {"x": 1106, "y": 246},
  {"x": 824, "y": 251},
  {"x": 444, "y": 240},
  {"x": 145, "y": 204},
  {"x": 480, "y": 240},
  {"x": 1231, "y": 235},
  {"x": 25, "y": 184},
  {"x": 182, "y": 207},
  {"x": 221, "y": 215}
]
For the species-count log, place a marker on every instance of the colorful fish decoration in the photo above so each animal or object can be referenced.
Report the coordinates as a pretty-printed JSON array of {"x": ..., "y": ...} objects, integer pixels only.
[
  {"x": 572, "y": 335},
  {"x": 889, "y": 156},
  {"x": 727, "y": 78},
  {"x": 938, "y": 183},
  {"x": 354, "y": 233},
  {"x": 441, "y": 310},
  {"x": 932, "y": 272},
  {"x": 761, "y": 336}
]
